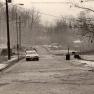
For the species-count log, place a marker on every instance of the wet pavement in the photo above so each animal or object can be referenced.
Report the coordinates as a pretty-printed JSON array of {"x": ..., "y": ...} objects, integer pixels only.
[{"x": 50, "y": 75}]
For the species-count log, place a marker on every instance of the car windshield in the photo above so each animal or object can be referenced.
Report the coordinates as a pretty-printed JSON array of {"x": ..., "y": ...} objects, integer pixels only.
[{"x": 30, "y": 52}]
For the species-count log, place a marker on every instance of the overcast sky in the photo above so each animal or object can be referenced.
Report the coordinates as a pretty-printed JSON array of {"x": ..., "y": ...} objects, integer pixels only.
[{"x": 54, "y": 9}]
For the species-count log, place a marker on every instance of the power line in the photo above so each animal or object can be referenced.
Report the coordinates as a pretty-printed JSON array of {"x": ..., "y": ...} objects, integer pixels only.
[
  {"x": 49, "y": 2},
  {"x": 49, "y": 14}
]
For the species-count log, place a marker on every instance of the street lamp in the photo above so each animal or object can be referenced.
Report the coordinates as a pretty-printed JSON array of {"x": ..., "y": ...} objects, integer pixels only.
[{"x": 8, "y": 33}]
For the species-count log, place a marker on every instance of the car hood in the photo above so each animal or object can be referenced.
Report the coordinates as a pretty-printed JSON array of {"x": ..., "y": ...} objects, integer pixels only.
[{"x": 32, "y": 55}]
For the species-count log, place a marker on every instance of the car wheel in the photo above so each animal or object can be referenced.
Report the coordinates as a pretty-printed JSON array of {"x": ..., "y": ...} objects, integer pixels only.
[
  {"x": 26, "y": 59},
  {"x": 37, "y": 59}
]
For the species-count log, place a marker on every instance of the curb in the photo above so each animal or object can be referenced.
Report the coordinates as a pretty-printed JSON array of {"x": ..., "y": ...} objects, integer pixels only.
[{"x": 10, "y": 63}]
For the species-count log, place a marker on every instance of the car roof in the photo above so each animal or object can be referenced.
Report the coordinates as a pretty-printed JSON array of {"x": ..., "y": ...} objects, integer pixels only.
[{"x": 30, "y": 51}]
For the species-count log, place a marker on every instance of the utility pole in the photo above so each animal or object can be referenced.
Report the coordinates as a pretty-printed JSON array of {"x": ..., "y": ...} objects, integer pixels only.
[
  {"x": 18, "y": 30},
  {"x": 8, "y": 34},
  {"x": 17, "y": 36},
  {"x": 20, "y": 37}
]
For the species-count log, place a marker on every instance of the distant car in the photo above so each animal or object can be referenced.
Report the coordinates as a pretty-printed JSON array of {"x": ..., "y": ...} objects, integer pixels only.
[{"x": 31, "y": 55}]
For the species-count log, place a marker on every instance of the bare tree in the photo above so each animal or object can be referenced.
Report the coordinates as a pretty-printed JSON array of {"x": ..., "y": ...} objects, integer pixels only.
[
  {"x": 57, "y": 31},
  {"x": 84, "y": 24},
  {"x": 34, "y": 18}
]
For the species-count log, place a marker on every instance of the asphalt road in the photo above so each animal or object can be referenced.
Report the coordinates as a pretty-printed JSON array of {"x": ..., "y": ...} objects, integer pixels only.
[{"x": 50, "y": 75}]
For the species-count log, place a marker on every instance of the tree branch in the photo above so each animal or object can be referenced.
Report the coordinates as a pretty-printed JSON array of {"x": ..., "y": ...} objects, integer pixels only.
[{"x": 84, "y": 8}]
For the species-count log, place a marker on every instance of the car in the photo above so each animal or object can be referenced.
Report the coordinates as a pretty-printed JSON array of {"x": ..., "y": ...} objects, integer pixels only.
[
  {"x": 31, "y": 48},
  {"x": 31, "y": 55}
]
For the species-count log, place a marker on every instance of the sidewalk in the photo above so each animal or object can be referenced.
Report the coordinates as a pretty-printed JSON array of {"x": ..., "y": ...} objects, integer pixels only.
[
  {"x": 82, "y": 62},
  {"x": 9, "y": 63},
  {"x": 88, "y": 57},
  {"x": 87, "y": 60}
]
